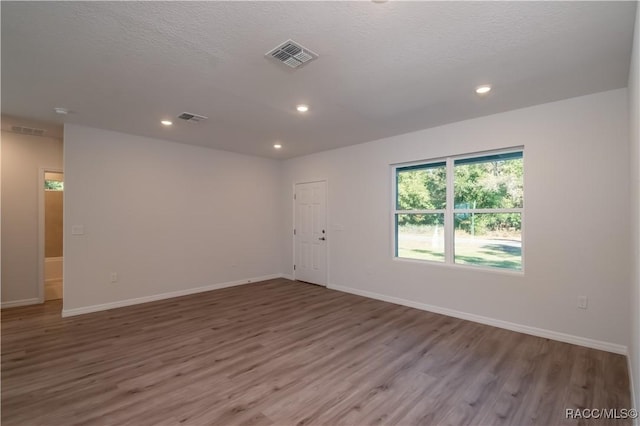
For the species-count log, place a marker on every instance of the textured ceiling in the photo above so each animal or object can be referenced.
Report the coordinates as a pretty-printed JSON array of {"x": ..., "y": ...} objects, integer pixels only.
[{"x": 384, "y": 68}]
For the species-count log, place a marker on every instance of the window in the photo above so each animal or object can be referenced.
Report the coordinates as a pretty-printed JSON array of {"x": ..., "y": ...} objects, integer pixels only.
[
  {"x": 462, "y": 210},
  {"x": 53, "y": 185},
  {"x": 53, "y": 181}
]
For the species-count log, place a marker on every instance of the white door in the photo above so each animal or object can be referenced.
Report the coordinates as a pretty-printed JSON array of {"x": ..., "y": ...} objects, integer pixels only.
[{"x": 311, "y": 232}]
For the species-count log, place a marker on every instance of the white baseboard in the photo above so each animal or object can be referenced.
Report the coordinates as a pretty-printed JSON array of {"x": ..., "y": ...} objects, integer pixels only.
[
  {"x": 161, "y": 296},
  {"x": 21, "y": 302},
  {"x": 534, "y": 331},
  {"x": 287, "y": 276}
]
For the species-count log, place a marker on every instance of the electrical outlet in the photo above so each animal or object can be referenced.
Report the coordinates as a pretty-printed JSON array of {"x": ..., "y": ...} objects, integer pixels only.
[
  {"x": 114, "y": 277},
  {"x": 582, "y": 302}
]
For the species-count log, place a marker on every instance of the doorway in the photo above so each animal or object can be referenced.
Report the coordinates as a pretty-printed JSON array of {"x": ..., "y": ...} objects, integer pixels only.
[
  {"x": 310, "y": 232},
  {"x": 52, "y": 220}
]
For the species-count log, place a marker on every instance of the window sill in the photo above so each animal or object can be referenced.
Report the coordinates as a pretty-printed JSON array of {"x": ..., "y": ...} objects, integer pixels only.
[{"x": 462, "y": 267}]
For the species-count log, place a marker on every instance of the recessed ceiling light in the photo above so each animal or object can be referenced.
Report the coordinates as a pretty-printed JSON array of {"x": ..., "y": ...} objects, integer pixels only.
[
  {"x": 484, "y": 89},
  {"x": 277, "y": 146},
  {"x": 302, "y": 108},
  {"x": 61, "y": 111},
  {"x": 166, "y": 122}
]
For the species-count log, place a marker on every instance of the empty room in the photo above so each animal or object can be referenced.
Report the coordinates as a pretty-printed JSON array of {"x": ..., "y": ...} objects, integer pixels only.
[{"x": 320, "y": 213}]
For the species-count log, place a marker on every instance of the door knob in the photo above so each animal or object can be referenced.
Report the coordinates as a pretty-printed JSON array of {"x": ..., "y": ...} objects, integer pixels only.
[{"x": 322, "y": 238}]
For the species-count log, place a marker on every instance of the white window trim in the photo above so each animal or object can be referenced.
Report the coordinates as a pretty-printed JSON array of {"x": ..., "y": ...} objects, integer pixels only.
[{"x": 450, "y": 211}]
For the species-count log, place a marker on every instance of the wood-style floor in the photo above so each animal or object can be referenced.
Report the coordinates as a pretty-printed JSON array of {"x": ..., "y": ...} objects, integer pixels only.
[{"x": 288, "y": 353}]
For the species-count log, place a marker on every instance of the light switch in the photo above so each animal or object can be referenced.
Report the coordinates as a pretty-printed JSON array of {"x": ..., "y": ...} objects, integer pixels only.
[{"x": 77, "y": 229}]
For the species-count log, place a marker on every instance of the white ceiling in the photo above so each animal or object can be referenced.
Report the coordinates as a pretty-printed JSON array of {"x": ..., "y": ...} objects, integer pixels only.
[{"x": 384, "y": 68}]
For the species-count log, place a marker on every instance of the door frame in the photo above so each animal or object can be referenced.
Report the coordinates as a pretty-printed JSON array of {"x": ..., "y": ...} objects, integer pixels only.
[
  {"x": 293, "y": 226},
  {"x": 41, "y": 237}
]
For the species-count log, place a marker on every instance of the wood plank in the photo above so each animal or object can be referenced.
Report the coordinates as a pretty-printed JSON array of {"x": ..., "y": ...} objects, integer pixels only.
[{"x": 287, "y": 353}]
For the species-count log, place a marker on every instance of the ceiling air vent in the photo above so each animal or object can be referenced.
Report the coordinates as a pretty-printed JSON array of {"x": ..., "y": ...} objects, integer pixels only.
[
  {"x": 292, "y": 54},
  {"x": 192, "y": 118},
  {"x": 27, "y": 130}
]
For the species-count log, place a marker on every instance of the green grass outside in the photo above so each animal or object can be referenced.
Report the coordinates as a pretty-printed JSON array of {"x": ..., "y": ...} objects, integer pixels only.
[{"x": 486, "y": 251}]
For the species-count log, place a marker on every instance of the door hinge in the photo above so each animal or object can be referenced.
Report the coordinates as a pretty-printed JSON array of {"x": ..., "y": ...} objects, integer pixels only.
[
  {"x": 294, "y": 196},
  {"x": 294, "y": 231},
  {"x": 294, "y": 267}
]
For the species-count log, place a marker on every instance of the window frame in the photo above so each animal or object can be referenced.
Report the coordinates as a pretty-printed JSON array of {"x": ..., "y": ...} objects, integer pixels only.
[{"x": 450, "y": 211}]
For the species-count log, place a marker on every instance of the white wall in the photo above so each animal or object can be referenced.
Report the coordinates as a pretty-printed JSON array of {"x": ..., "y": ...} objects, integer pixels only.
[
  {"x": 577, "y": 215},
  {"x": 166, "y": 217},
  {"x": 22, "y": 157},
  {"x": 634, "y": 114}
]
